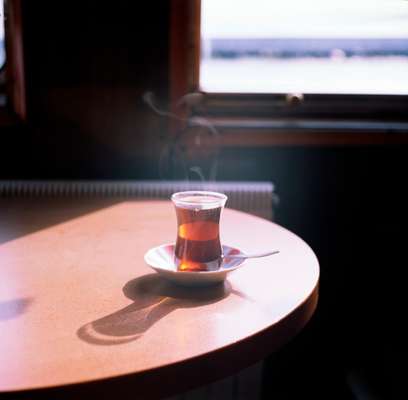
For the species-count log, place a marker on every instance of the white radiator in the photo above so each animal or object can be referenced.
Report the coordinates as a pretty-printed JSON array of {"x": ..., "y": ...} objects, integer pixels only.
[{"x": 252, "y": 197}]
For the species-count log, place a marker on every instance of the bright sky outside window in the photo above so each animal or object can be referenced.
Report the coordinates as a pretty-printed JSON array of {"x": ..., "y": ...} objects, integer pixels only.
[{"x": 315, "y": 46}]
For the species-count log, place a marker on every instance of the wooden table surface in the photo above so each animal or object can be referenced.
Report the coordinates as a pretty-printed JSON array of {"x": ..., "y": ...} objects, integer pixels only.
[{"x": 81, "y": 314}]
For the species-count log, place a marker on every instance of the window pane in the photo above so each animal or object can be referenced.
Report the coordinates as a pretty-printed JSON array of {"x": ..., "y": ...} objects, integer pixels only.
[{"x": 315, "y": 46}]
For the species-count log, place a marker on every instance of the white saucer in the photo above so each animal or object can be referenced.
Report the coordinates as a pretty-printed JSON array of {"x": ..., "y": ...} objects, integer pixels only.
[{"x": 161, "y": 259}]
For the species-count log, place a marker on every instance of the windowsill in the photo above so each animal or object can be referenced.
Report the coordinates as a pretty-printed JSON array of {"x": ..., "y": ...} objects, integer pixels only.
[
  {"x": 304, "y": 125},
  {"x": 317, "y": 119},
  {"x": 261, "y": 132}
]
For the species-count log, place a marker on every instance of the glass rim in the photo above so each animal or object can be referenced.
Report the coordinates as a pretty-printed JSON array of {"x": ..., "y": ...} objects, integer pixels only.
[{"x": 219, "y": 198}]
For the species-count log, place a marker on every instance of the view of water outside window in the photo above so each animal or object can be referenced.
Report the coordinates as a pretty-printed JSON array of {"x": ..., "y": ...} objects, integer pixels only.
[
  {"x": 314, "y": 46},
  {"x": 2, "y": 51}
]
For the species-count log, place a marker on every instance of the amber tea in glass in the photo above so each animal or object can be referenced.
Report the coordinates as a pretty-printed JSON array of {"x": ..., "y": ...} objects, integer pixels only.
[{"x": 198, "y": 246}]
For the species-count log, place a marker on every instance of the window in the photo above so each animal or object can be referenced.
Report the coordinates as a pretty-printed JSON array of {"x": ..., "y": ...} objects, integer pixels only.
[
  {"x": 297, "y": 46},
  {"x": 294, "y": 72}
]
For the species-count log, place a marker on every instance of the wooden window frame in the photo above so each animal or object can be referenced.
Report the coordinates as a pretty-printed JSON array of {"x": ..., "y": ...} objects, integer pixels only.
[
  {"x": 14, "y": 111},
  {"x": 278, "y": 119}
]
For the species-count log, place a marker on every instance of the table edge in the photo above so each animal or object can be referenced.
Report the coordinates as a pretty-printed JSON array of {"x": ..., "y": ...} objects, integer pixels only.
[{"x": 213, "y": 366}]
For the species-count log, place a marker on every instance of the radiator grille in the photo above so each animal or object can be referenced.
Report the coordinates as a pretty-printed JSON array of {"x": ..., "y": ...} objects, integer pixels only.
[{"x": 252, "y": 197}]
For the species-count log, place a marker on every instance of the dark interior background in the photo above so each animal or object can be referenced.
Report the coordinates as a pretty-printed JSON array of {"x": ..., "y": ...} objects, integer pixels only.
[{"x": 88, "y": 64}]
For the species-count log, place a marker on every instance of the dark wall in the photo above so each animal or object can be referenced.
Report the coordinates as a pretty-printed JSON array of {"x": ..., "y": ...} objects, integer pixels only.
[
  {"x": 348, "y": 204},
  {"x": 88, "y": 64}
]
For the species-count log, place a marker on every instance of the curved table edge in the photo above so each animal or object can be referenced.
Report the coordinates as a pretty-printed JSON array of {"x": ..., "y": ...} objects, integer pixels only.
[{"x": 183, "y": 376}]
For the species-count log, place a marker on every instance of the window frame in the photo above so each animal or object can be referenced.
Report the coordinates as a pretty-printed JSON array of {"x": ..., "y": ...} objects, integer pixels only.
[
  {"x": 246, "y": 119},
  {"x": 14, "y": 111}
]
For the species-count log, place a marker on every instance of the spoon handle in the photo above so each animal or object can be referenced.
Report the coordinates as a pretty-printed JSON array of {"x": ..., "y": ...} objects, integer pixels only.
[{"x": 254, "y": 255}]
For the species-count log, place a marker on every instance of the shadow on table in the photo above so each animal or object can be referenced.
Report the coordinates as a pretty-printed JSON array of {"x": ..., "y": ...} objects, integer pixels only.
[
  {"x": 13, "y": 308},
  {"x": 153, "y": 299}
]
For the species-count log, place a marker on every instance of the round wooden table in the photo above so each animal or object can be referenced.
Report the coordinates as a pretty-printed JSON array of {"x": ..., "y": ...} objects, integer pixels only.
[{"x": 81, "y": 314}]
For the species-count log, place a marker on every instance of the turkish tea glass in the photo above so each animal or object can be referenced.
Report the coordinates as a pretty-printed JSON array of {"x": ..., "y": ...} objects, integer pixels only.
[{"x": 198, "y": 245}]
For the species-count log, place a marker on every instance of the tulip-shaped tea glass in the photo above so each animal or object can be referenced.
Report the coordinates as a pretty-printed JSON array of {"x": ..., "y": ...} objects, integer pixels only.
[{"x": 198, "y": 246}]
